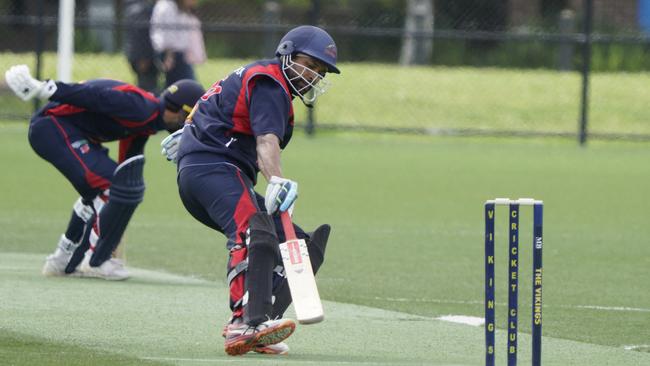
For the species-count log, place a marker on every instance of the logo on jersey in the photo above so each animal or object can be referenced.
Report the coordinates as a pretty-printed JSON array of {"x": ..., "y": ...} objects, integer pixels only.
[
  {"x": 81, "y": 145},
  {"x": 214, "y": 89}
]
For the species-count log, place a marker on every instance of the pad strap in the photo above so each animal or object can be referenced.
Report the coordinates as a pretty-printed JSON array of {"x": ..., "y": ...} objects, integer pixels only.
[
  {"x": 239, "y": 268},
  {"x": 85, "y": 212},
  {"x": 243, "y": 266},
  {"x": 67, "y": 245}
]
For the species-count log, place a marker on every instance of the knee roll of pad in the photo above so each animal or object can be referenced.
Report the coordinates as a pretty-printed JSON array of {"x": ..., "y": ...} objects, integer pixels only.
[
  {"x": 263, "y": 254},
  {"x": 262, "y": 232},
  {"x": 126, "y": 193},
  {"x": 127, "y": 185}
]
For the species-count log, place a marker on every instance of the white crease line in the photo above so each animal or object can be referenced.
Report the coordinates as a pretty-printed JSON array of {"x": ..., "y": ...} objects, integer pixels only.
[
  {"x": 436, "y": 301},
  {"x": 476, "y": 302},
  {"x": 256, "y": 360},
  {"x": 474, "y": 321},
  {"x": 637, "y": 347},
  {"x": 137, "y": 273},
  {"x": 608, "y": 308},
  {"x": 186, "y": 279}
]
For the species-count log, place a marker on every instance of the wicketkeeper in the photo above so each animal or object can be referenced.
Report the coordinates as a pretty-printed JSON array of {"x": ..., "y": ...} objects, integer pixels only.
[
  {"x": 69, "y": 131},
  {"x": 236, "y": 130}
]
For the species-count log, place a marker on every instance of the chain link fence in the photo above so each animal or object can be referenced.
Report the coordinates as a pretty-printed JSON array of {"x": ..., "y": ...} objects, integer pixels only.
[{"x": 499, "y": 67}]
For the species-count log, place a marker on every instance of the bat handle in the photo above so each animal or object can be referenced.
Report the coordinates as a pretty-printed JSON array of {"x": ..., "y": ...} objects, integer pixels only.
[{"x": 287, "y": 225}]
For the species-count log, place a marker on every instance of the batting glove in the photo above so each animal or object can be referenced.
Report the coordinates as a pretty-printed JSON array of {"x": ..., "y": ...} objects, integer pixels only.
[
  {"x": 281, "y": 193},
  {"x": 170, "y": 146},
  {"x": 25, "y": 86}
]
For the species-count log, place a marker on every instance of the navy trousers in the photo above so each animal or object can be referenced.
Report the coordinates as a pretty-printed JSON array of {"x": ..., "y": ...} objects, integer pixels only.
[
  {"x": 220, "y": 196},
  {"x": 84, "y": 163}
]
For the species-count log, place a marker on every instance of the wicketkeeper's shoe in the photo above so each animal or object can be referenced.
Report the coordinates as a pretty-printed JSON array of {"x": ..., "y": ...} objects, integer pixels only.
[
  {"x": 272, "y": 349},
  {"x": 112, "y": 269},
  {"x": 56, "y": 262},
  {"x": 242, "y": 338}
]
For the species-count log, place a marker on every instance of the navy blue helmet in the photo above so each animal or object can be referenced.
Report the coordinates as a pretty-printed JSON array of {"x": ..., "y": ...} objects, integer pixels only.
[
  {"x": 182, "y": 94},
  {"x": 311, "y": 41}
]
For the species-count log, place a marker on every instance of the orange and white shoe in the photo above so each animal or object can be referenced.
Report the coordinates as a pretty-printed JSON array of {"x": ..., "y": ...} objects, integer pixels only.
[
  {"x": 280, "y": 348},
  {"x": 242, "y": 338}
]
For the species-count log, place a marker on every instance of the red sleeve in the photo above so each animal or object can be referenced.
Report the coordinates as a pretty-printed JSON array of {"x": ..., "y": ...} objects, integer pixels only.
[
  {"x": 132, "y": 146},
  {"x": 127, "y": 104}
]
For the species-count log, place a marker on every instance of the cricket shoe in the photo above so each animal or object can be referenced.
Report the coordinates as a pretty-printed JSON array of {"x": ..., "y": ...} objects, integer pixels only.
[
  {"x": 112, "y": 269},
  {"x": 242, "y": 338},
  {"x": 279, "y": 348},
  {"x": 56, "y": 262}
]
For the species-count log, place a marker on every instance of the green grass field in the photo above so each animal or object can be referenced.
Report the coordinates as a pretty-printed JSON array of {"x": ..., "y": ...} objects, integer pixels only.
[
  {"x": 406, "y": 248},
  {"x": 388, "y": 96}
]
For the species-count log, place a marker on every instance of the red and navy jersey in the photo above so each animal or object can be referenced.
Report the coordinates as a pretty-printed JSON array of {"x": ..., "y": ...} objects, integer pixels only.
[
  {"x": 254, "y": 100},
  {"x": 108, "y": 110}
]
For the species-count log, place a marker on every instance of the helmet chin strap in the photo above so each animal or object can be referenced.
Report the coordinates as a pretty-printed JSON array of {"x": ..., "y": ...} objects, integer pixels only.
[{"x": 311, "y": 89}]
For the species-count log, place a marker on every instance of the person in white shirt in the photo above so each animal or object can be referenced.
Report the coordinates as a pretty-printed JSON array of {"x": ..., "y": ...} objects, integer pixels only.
[{"x": 177, "y": 39}]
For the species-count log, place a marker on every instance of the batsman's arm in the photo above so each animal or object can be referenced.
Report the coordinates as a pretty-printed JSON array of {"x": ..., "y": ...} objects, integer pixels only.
[
  {"x": 280, "y": 192},
  {"x": 269, "y": 112},
  {"x": 122, "y": 102},
  {"x": 268, "y": 155}
]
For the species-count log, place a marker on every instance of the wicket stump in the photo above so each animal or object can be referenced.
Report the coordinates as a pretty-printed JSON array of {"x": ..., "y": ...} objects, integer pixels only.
[{"x": 513, "y": 279}]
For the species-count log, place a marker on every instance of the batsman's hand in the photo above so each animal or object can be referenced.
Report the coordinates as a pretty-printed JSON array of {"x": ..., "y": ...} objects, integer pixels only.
[
  {"x": 25, "y": 86},
  {"x": 281, "y": 193},
  {"x": 170, "y": 146}
]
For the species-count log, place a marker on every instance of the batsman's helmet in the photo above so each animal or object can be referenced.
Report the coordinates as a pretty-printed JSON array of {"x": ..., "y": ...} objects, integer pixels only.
[
  {"x": 311, "y": 41},
  {"x": 182, "y": 95}
]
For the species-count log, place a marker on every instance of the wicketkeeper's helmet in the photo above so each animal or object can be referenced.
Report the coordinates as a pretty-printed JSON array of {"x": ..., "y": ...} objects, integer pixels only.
[{"x": 182, "y": 94}]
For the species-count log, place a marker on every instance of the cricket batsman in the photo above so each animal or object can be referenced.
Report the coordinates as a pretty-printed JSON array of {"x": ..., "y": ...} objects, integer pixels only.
[
  {"x": 69, "y": 131},
  {"x": 237, "y": 129}
]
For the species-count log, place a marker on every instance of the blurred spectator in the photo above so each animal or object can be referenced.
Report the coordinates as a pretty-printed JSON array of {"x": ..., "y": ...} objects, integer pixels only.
[
  {"x": 177, "y": 39},
  {"x": 138, "y": 49}
]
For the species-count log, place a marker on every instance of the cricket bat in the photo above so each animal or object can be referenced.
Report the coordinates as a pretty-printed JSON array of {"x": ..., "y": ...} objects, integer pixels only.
[{"x": 300, "y": 275}]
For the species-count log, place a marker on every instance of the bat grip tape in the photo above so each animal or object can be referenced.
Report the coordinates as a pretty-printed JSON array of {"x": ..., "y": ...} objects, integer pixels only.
[{"x": 287, "y": 225}]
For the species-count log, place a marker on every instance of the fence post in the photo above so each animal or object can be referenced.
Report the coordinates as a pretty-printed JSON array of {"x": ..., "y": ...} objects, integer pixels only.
[
  {"x": 417, "y": 42},
  {"x": 65, "y": 43},
  {"x": 567, "y": 22},
  {"x": 314, "y": 15},
  {"x": 586, "y": 68},
  {"x": 40, "y": 44},
  {"x": 271, "y": 19}
]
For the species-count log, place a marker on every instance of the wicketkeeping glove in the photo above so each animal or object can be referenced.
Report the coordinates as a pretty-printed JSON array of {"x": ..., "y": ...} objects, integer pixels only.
[
  {"x": 25, "y": 86},
  {"x": 170, "y": 146},
  {"x": 281, "y": 193}
]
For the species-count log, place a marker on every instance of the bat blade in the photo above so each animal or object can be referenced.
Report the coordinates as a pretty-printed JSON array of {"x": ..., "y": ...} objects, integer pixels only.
[{"x": 300, "y": 276}]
